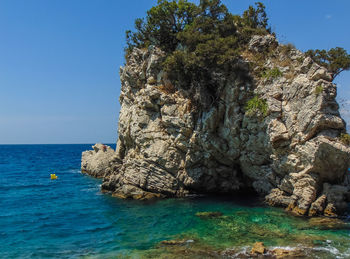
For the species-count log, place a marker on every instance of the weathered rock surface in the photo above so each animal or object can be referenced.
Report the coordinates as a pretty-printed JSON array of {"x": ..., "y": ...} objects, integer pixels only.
[
  {"x": 258, "y": 248},
  {"x": 96, "y": 161},
  {"x": 170, "y": 147}
]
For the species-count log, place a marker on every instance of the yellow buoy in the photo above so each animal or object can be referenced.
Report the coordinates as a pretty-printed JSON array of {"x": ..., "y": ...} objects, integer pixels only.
[{"x": 53, "y": 177}]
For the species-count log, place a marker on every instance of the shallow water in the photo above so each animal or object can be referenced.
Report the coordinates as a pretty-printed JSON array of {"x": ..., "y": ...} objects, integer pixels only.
[{"x": 70, "y": 218}]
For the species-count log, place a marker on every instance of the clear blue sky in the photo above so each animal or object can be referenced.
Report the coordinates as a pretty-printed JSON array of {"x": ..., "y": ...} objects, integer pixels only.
[{"x": 59, "y": 60}]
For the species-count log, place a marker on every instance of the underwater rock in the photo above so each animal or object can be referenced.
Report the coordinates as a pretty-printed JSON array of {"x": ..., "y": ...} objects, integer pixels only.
[
  {"x": 177, "y": 242},
  {"x": 328, "y": 223},
  {"x": 184, "y": 249},
  {"x": 209, "y": 214},
  {"x": 173, "y": 242},
  {"x": 132, "y": 192}
]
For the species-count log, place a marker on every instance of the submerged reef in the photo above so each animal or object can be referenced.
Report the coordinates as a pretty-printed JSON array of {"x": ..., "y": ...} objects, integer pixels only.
[{"x": 239, "y": 234}]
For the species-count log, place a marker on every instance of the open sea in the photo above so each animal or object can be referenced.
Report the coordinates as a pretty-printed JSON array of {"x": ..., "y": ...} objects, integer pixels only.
[{"x": 70, "y": 217}]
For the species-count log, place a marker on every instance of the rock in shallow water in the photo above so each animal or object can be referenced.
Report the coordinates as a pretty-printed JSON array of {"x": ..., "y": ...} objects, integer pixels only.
[
  {"x": 258, "y": 248},
  {"x": 132, "y": 192},
  {"x": 97, "y": 161},
  {"x": 328, "y": 223},
  {"x": 209, "y": 214}
]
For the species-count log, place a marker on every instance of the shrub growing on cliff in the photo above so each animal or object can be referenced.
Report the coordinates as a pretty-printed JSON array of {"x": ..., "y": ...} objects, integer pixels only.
[
  {"x": 271, "y": 73},
  {"x": 318, "y": 89},
  {"x": 256, "y": 105},
  {"x": 345, "y": 138},
  {"x": 335, "y": 60}
]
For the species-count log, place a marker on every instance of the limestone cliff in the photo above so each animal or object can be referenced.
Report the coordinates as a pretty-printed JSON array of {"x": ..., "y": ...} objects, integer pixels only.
[{"x": 285, "y": 146}]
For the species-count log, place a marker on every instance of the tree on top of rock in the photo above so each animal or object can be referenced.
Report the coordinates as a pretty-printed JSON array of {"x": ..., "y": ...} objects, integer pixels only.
[
  {"x": 256, "y": 18},
  {"x": 165, "y": 21},
  {"x": 202, "y": 42},
  {"x": 162, "y": 24},
  {"x": 335, "y": 60}
]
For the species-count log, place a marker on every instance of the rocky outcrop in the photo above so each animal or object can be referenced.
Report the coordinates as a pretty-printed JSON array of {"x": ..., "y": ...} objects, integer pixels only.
[
  {"x": 95, "y": 162},
  {"x": 287, "y": 151},
  {"x": 258, "y": 248}
]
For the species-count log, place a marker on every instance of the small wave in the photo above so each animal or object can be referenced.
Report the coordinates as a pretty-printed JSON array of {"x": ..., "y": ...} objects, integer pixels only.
[
  {"x": 328, "y": 249},
  {"x": 90, "y": 189},
  {"x": 75, "y": 171},
  {"x": 96, "y": 229}
]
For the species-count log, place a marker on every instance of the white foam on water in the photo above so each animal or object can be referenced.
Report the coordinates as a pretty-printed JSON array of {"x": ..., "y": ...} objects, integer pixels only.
[
  {"x": 330, "y": 249},
  {"x": 242, "y": 251},
  {"x": 334, "y": 251},
  {"x": 289, "y": 248},
  {"x": 75, "y": 171}
]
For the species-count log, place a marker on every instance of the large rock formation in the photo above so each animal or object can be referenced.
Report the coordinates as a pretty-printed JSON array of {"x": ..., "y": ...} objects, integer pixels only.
[{"x": 288, "y": 150}]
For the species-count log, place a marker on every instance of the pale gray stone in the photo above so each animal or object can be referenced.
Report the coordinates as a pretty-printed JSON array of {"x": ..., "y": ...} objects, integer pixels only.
[{"x": 96, "y": 162}]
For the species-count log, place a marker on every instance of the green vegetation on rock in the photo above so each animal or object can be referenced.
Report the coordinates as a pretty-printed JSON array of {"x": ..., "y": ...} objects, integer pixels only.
[
  {"x": 202, "y": 42},
  {"x": 319, "y": 90},
  {"x": 345, "y": 138},
  {"x": 161, "y": 25},
  {"x": 271, "y": 73},
  {"x": 169, "y": 25},
  {"x": 256, "y": 105}
]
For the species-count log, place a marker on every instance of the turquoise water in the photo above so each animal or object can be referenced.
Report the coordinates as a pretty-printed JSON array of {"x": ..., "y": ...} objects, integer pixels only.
[{"x": 71, "y": 218}]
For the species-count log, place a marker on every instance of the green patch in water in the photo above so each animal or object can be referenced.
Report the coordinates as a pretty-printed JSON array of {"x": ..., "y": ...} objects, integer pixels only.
[{"x": 240, "y": 227}]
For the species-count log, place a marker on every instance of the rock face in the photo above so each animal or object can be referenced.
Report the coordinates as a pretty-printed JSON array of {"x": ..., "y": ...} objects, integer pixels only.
[
  {"x": 169, "y": 146},
  {"x": 96, "y": 161}
]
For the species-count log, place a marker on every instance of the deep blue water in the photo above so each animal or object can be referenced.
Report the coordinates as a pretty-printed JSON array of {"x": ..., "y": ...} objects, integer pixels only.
[{"x": 71, "y": 218}]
